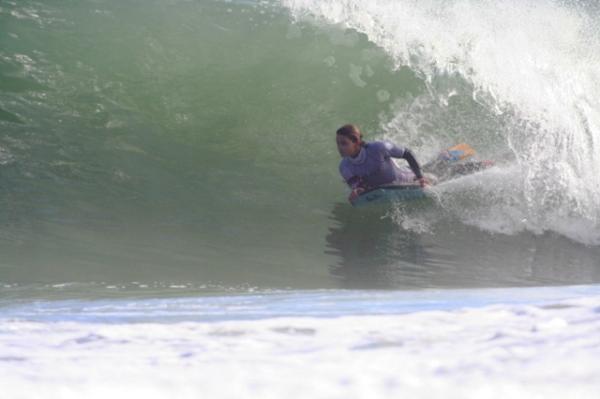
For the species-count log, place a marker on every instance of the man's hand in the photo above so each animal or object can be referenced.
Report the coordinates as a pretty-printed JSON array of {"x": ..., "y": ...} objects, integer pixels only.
[
  {"x": 423, "y": 182},
  {"x": 355, "y": 193}
]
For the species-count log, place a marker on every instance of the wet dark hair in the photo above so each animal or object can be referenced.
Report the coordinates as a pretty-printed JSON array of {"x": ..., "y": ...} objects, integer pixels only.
[{"x": 352, "y": 132}]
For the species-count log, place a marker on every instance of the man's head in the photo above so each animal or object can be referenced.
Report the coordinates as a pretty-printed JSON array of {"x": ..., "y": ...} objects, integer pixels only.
[{"x": 349, "y": 140}]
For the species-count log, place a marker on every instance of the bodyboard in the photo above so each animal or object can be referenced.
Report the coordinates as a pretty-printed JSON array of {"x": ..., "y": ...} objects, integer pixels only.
[{"x": 389, "y": 193}]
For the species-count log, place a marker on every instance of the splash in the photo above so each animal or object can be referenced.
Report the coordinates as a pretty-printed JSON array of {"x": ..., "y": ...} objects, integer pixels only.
[{"x": 519, "y": 77}]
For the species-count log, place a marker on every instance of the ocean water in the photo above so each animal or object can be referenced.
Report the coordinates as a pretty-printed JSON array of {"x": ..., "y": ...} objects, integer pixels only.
[{"x": 168, "y": 180}]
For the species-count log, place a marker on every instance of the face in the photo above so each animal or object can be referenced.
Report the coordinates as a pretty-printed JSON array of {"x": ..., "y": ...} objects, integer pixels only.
[{"x": 346, "y": 147}]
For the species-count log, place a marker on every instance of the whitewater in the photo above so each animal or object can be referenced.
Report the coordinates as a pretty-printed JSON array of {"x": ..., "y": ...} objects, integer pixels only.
[
  {"x": 318, "y": 344},
  {"x": 172, "y": 220}
]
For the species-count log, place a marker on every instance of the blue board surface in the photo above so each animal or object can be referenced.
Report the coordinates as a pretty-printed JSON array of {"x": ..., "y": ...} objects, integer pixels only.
[{"x": 391, "y": 193}]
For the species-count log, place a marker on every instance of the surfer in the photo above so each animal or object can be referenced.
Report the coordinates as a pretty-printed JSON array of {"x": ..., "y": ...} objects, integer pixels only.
[{"x": 366, "y": 165}]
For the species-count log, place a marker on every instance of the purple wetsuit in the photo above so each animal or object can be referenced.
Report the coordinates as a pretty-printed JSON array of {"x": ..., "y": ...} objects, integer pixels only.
[{"x": 373, "y": 166}]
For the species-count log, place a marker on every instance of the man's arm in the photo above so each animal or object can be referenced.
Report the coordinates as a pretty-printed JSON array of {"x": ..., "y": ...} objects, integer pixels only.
[
  {"x": 412, "y": 162},
  {"x": 354, "y": 182},
  {"x": 351, "y": 180},
  {"x": 405, "y": 153}
]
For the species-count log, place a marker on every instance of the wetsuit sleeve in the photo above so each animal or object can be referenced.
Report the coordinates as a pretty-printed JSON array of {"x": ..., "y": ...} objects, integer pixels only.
[
  {"x": 349, "y": 178},
  {"x": 412, "y": 162},
  {"x": 405, "y": 153}
]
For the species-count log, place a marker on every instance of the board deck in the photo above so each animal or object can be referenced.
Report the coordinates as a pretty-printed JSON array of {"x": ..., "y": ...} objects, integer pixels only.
[{"x": 387, "y": 194}]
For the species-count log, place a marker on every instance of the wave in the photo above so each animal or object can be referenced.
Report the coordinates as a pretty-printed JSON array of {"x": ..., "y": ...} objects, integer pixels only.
[
  {"x": 520, "y": 77},
  {"x": 194, "y": 141}
]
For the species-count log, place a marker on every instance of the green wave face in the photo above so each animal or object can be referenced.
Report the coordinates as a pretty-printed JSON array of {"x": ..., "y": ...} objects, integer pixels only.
[
  {"x": 204, "y": 105},
  {"x": 195, "y": 140}
]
